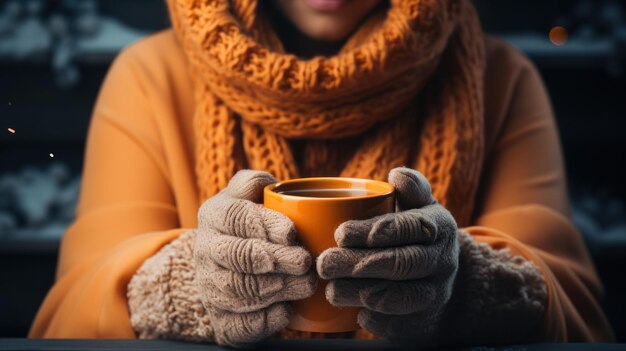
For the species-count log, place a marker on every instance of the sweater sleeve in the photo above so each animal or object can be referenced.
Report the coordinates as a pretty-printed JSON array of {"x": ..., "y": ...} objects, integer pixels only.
[
  {"x": 126, "y": 213},
  {"x": 523, "y": 207}
]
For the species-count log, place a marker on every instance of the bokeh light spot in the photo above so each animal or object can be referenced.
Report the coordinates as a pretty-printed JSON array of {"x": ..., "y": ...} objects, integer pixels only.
[{"x": 558, "y": 35}]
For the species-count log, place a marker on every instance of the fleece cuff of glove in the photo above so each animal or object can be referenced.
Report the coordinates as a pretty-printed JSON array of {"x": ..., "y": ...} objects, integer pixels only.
[
  {"x": 163, "y": 300},
  {"x": 497, "y": 298}
]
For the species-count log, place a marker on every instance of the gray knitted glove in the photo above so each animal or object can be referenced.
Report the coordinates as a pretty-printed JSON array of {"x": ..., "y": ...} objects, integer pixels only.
[
  {"x": 228, "y": 280},
  {"x": 416, "y": 283},
  {"x": 247, "y": 263}
]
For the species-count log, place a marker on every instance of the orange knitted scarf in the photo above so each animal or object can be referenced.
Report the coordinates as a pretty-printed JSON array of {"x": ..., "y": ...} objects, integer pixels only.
[{"x": 406, "y": 90}]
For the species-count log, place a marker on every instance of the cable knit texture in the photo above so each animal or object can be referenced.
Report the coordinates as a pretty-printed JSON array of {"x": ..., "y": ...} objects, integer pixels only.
[{"x": 252, "y": 97}]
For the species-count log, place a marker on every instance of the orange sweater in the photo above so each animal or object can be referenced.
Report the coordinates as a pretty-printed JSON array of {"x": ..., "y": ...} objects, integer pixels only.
[{"x": 139, "y": 193}]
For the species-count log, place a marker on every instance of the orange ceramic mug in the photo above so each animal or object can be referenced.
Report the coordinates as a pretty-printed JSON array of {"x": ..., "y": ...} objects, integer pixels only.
[{"x": 317, "y": 206}]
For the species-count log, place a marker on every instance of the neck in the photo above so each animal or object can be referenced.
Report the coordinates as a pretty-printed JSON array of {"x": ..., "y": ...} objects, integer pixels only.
[{"x": 294, "y": 41}]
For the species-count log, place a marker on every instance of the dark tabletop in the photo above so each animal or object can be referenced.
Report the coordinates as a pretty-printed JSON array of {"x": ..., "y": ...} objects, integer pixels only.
[{"x": 299, "y": 345}]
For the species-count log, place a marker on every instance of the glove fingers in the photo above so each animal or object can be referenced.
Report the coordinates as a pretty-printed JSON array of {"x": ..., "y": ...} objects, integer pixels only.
[
  {"x": 412, "y": 188},
  {"x": 248, "y": 185},
  {"x": 385, "y": 296},
  {"x": 279, "y": 229},
  {"x": 399, "y": 263},
  {"x": 394, "y": 229},
  {"x": 237, "y": 292},
  {"x": 245, "y": 219},
  {"x": 235, "y": 254},
  {"x": 294, "y": 260},
  {"x": 254, "y": 256},
  {"x": 238, "y": 329}
]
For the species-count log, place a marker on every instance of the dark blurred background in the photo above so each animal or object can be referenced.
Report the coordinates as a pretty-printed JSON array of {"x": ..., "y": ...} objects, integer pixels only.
[{"x": 55, "y": 53}]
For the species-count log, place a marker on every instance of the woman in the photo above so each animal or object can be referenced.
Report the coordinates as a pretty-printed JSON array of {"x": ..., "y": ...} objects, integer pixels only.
[{"x": 323, "y": 87}]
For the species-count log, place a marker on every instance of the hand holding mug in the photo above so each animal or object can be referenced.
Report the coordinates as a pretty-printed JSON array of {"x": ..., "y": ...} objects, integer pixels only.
[
  {"x": 247, "y": 263},
  {"x": 398, "y": 267}
]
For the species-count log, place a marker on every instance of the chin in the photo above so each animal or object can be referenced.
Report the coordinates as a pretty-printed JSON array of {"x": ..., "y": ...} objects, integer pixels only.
[
  {"x": 327, "y": 31},
  {"x": 328, "y": 24}
]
